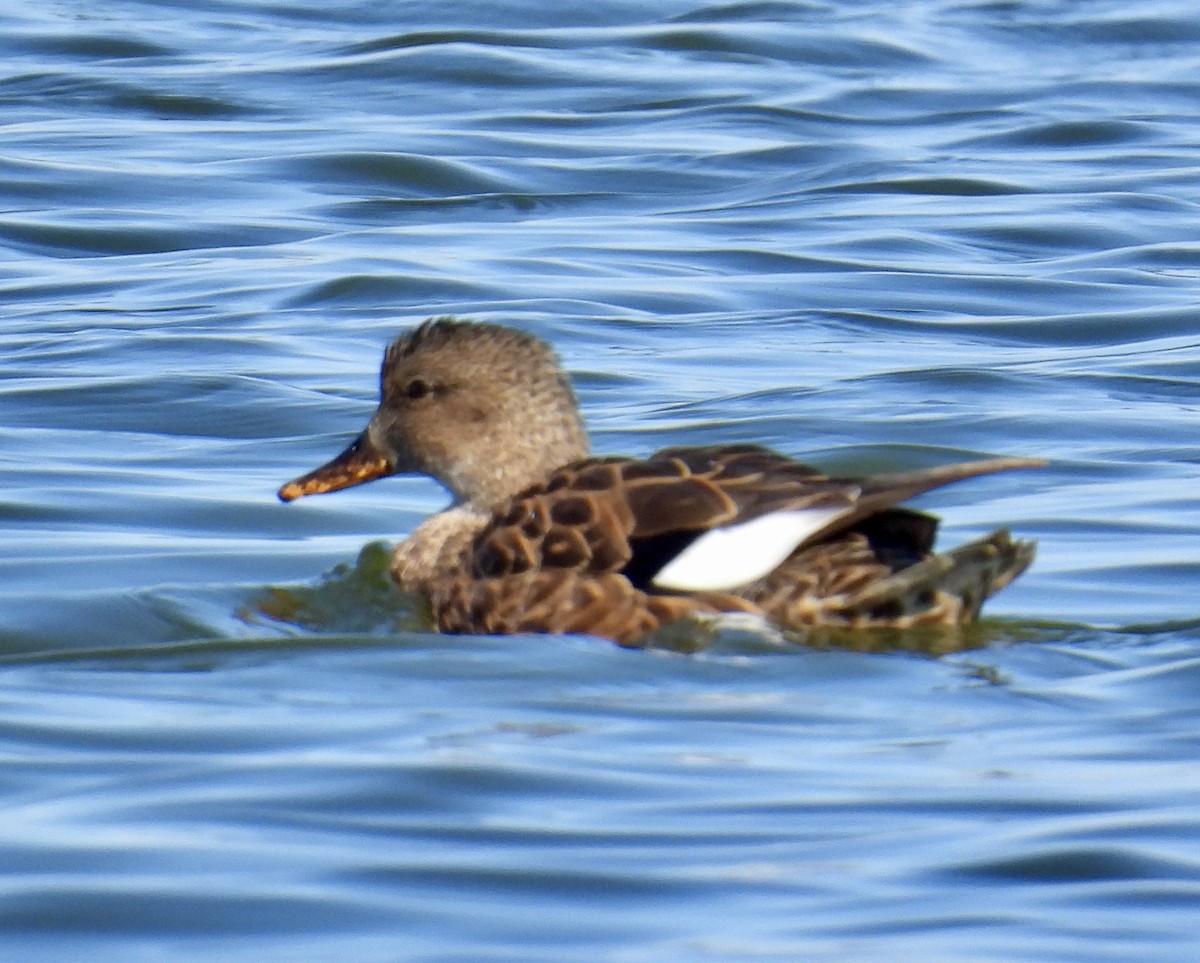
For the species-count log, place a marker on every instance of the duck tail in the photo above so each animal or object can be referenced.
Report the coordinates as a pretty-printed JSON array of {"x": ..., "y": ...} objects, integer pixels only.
[{"x": 950, "y": 587}]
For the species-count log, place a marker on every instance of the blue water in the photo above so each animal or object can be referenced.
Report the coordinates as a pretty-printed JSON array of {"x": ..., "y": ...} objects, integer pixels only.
[{"x": 869, "y": 234}]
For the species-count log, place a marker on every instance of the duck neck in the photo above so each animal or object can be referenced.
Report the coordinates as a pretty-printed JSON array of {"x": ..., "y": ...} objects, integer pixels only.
[{"x": 486, "y": 481}]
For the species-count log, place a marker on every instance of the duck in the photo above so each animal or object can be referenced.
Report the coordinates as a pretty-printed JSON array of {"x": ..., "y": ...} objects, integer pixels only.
[{"x": 542, "y": 537}]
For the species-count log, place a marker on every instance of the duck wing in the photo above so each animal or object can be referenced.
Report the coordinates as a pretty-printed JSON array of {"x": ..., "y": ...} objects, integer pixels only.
[
  {"x": 693, "y": 519},
  {"x": 784, "y": 506}
]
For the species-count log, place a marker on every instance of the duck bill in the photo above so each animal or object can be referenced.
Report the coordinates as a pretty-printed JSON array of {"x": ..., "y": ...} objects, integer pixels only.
[{"x": 361, "y": 462}]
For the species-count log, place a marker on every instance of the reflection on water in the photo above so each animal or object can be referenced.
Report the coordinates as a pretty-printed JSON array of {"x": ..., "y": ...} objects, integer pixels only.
[
  {"x": 874, "y": 237},
  {"x": 349, "y": 598}
]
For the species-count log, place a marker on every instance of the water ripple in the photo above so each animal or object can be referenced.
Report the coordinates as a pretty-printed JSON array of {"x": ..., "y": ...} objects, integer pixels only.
[{"x": 872, "y": 236}]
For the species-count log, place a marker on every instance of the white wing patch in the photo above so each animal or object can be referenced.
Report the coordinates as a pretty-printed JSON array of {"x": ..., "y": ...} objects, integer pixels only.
[{"x": 727, "y": 557}]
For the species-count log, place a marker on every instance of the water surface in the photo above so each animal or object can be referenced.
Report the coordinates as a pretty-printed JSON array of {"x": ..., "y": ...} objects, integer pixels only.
[{"x": 874, "y": 235}]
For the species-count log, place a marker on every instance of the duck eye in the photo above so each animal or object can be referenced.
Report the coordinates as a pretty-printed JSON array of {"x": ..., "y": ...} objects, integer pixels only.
[{"x": 416, "y": 389}]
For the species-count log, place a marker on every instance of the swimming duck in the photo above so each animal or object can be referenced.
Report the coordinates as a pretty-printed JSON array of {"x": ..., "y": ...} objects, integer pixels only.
[{"x": 543, "y": 538}]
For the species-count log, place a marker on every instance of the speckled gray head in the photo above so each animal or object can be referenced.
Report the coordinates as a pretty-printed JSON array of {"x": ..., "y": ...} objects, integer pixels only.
[{"x": 484, "y": 409}]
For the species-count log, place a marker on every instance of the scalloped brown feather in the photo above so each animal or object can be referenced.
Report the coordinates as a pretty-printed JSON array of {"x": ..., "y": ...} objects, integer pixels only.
[{"x": 577, "y": 553}]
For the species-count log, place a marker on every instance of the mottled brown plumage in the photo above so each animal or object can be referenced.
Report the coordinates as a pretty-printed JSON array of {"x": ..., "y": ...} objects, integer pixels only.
[{"x": 544, "y": 539}]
